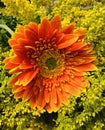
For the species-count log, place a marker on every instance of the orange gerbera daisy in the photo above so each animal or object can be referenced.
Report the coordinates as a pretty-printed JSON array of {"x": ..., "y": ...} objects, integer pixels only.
[{"x": 50, "y": 63}]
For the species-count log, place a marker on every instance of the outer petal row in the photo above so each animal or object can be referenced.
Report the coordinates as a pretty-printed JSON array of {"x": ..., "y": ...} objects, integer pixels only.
[{"x": 24, "y": 78}]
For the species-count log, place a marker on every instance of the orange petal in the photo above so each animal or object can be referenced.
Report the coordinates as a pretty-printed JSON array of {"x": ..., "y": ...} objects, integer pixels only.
[
  {"x": 18, "y": 49},
  {"x": 34, "y": 27},
  {"x": 27, "y": 94},
  {"x": 12, "y": 42},
  {"x": 18, "y": 35},
  {"x": 63, "y": 96},
  {"x": 68, "y": 29},
  {"x": 66, "y": 87},
  {"x": 54, "y": 96},
  {"x": 76, "y": 73},
  {"x": 86, "y": 67},
  {"x": 89, "y": 59},
  {"x": 59, "y": 102},
  {"x": 47, "y": 95},
  {"x": 21, "y": 28},
  {"x": 44, "y": 29},
  {"x": 8, "y": 64},
  {"x": 49, "y": 108},
  {"x": 25, "y": 42},
  {"x": 79, "y": 82},
  {"x": 14, "y": 80},
  {"x": 30, "y": 35},
  {"x": 17, "y": 88},
  {"x": 25, "y": 65},
  {"x": 55, "y": 23},
  {"x": 33, "y": 101},
  {"x": 26, "y": 77},
  {"x": 81, "y": 32},
  {"x": 16, "y": 60},
  {"x": 79, "y": 60},
  {"x": 67, "y": 41},
  {"x": 36, "y": 90},
  {"x": 87, "y": 50},
  {"x": 14, "y": 70},
  {"x": 40, "y": 100},
  {"x": 19, "y": 94},
  {"x": 75, "y": 46},
  {"x": 74, "y": 89},
  {"x": 28, "y": 86}
]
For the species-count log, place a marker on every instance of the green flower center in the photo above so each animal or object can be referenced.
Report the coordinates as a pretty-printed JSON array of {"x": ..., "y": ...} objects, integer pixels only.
[{"x": 51, "y": 63}]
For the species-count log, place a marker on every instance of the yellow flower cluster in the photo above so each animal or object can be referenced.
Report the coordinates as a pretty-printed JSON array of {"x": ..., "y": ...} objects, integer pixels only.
[
  {"x": 68, "y": 11},
  {"x": 86, "y": 2},
  {"x": 23, "y": 10},
  {"x": 42, "y": 2}
]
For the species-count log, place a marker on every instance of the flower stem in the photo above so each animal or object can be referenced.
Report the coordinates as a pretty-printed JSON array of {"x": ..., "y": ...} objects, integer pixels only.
[{"x": 6, "y": 28}]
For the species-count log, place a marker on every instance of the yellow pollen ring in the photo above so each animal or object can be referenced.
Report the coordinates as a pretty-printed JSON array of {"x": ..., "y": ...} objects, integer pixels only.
[{"x": 55, "y": 65}]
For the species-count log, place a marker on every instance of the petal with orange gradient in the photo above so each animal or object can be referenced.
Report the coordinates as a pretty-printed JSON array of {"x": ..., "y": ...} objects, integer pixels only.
[
  {"x": 34, "y": 27},
  {"x": 14, "y": 70},
  {"x": 8, "y": 64},
  {"x": 27, "y": 76},
  {"x": 47, "y": 95},
  {"x": 75, "y": 46},
  {"x": 21, "y": 29},
  {"x": 68, "y": 29},
  {"x": 81, "y": 32},
  {"x": 30, "y": 35},
  {"x": 27, "y": 94},
  {"x": 74, "y": 90},
  {"x": 25, "y": 65},
  {"x": 86, "y": 67},
  {"x": 25, "y": 42},
  {"x": 40, "y": 100},
  {"x": 33, "y": 101},
  {"x": 19, "y": 94},
  {"x": 18, "y": 35},
  {"x": 12, "y": 42},
  {"x": 67, "y": 41},
  {"x": 44, "y": 29},
  {"x": 61, "y": 96},
  {"x": 55, "y": 23},
  {"x": 17, "y": 88}
]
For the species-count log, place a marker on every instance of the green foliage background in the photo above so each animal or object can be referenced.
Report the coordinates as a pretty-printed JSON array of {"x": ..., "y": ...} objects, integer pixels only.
[{"x": 86, "y": 112}]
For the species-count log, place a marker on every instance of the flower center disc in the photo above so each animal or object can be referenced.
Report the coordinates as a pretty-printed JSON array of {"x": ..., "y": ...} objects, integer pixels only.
[{"x": 51, "y": 63}]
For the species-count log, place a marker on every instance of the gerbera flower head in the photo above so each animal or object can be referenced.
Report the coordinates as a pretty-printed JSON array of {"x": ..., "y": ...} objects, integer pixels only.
[{"x": 50, "y": 63}]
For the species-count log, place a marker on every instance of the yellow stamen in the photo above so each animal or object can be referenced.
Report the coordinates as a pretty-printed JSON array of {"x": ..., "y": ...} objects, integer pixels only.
[
  {"x": 51, "y": 63},
  {"x": 30, "y": 47}
]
